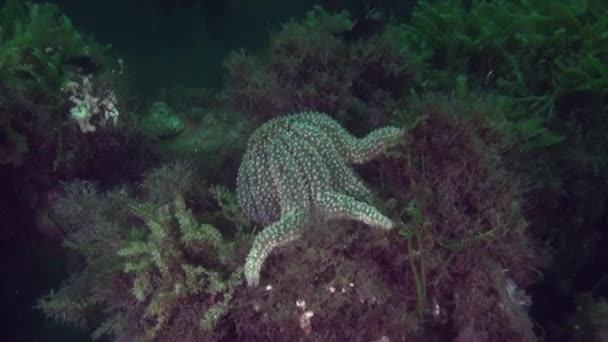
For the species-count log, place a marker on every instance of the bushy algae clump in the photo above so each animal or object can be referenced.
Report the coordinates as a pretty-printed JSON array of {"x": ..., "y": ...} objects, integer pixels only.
[
  {"x": 320, "y": 64},
  {"x": 149, "y": 267}
]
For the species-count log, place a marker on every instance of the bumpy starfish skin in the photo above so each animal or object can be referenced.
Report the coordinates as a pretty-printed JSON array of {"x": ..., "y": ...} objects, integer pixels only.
[{"x": 297, "y": 167}]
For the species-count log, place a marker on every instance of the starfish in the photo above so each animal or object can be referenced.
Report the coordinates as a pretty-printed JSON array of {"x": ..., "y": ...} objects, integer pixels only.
[{"x": 296, "y": 168}]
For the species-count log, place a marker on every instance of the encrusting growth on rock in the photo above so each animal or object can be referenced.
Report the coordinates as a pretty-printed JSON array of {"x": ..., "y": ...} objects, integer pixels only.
[{"x": 297, "y": 167}]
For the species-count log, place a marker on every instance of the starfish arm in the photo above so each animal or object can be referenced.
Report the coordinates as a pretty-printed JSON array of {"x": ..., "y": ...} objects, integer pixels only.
[
  {"x": 333, "y": 133},
  {"x": 287, "y": 229},
  {"x": 338, "y": 206},
  {"x": 374, "y": 144},
  {"x": 350, "y": 148},
  {"x": 331, "y": 169}
]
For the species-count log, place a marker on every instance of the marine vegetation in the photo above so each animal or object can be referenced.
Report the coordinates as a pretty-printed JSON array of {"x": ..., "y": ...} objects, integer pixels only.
[
  {"x": 549, "y": 56},
  {"x": 320, "y": 64},
  {"x": 549, "y": 59},
  {"x": 527, "y": 49},
  {"x": 150, "y": 270},
  {"x": 40, "y": 52}
]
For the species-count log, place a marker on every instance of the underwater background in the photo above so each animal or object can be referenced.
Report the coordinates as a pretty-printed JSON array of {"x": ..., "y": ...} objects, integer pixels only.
[{"x": 313, "y": 170}]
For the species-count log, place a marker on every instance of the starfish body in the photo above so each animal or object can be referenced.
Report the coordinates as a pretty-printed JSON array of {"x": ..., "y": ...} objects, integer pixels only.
[{"x": 297, "y": 167}]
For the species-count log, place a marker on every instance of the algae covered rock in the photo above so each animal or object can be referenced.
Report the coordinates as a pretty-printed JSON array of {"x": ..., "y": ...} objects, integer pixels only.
[{"x": 162, "y": 122}]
